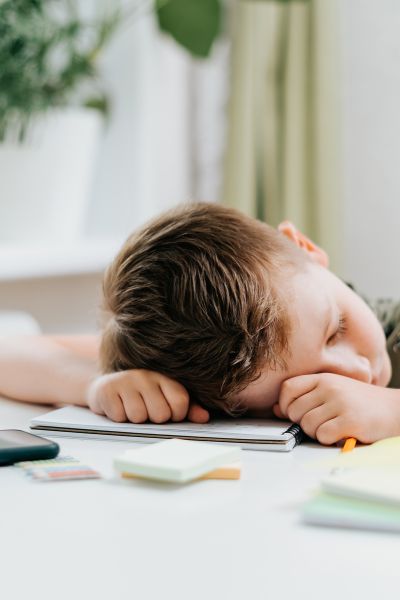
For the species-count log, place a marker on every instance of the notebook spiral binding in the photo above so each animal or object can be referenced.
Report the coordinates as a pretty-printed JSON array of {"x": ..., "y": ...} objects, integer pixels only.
[{"x": 297, "y": 432}]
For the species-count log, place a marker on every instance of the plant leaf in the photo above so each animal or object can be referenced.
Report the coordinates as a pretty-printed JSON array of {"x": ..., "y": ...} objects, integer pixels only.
[{"x": 192, "y": 23}]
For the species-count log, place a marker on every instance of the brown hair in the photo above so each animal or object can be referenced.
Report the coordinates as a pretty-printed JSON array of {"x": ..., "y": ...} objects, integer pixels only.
[{"x": 193, "y": 296}]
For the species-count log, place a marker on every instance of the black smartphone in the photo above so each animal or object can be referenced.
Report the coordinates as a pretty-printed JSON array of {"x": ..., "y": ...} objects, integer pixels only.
[{"x": 16, "y": 445}]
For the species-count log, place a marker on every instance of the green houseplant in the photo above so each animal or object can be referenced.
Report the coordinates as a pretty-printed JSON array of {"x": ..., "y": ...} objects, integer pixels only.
[
  {"x": 48, "y": 52},
  {"x": 48, "y": 80},
  {"x": 48, "y": 60}
]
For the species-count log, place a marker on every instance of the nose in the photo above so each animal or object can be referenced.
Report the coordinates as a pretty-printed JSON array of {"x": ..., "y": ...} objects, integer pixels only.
[{"x": 352, "y": 365}]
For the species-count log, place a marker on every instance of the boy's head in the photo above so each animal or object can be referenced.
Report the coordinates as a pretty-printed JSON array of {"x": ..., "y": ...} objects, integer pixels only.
[{"x": 230, "y": 308}]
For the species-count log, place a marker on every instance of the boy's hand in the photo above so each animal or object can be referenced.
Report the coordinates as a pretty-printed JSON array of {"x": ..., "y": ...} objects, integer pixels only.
[
  {"x": 138, "y": 395},
  {"x": 331, "y": 407}
]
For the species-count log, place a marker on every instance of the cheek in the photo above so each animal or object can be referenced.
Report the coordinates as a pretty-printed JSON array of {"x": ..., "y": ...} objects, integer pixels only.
[
  {"x": 263, "y": 393},
  {"x": 367, "y": 331}
]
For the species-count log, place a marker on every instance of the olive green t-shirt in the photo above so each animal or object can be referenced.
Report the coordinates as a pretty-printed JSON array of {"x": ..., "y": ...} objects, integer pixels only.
[{"x": 388, "y": 313}]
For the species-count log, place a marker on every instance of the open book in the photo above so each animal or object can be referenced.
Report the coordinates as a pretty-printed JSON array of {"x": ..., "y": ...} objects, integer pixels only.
[{"x": 252, "y": 434}]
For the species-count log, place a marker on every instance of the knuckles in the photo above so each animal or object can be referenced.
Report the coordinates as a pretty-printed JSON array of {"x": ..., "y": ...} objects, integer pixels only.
[
  {"x": 161, "y": 417},
  {"x": 180, "y": 401},
  {"x": 327, "y": 434},
  {"x": 331, "y": 383},
  {"x": 308, "y": 425},
  {"x": 286, "y": 387},
  {"x": 115, "y": 413},
  {"x": 104, "y": 394},
  {"x": 136, "y": 413},
  {"x": 138, "y": 418}
]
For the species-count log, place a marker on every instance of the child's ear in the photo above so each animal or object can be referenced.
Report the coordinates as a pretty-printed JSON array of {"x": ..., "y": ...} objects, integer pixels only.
[{"x": 302, "y": 241}]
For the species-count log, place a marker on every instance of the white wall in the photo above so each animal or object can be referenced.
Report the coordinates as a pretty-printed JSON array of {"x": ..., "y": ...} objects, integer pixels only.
[
  {"x": 58, "y": 304},
  {"x": 164, "y": 142},
  {"x": 163, "y": 145},
  {"x": 143, "y": 162},
  {"x": 370, "y": 59}
]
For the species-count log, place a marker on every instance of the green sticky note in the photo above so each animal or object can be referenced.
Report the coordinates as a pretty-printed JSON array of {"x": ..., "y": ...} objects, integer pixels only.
[{"x": 336, "y": 511}]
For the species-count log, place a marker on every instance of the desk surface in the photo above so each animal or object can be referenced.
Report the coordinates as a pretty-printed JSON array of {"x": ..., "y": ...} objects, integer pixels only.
[{"x": 210, "y": 539}]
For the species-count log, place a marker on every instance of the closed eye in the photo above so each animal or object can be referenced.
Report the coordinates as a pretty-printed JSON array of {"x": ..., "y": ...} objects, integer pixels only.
[{"x": 341, "y": 329}]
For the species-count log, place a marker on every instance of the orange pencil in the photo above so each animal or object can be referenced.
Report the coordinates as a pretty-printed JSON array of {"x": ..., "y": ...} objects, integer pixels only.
[{"x": 349, "y": 444}]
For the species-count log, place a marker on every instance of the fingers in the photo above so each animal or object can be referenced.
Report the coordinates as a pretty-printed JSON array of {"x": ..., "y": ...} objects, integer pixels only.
[
  {"x": 312, "y": 421},
  {"x": 144, "y": 402},
  {"x": 198, "y": 414},
  {"x": 158, "y": 409},
  {"x": 277, "y": 412},
  {"x": 103, "y": 400},
  {"x": 331, "y": 431},
  {"x": 159, "y": 400},
  {"x": 113, "y": 408},
  {"x": 134, "y": 406},
  {"x": 177, "y": 398},
  {"x": 302, "y": 405},
  {"x": 338, "y": 428},
  {"x": 293, "y": 388},
  {"x": 140, "y": 395}
]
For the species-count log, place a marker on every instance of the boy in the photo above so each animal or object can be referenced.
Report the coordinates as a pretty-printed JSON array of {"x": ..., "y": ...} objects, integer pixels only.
[{"x": 209, "y": 304}]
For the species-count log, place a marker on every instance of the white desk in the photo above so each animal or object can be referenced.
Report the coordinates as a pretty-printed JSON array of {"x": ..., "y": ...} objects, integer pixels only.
[{"x": 210, "y": 539}]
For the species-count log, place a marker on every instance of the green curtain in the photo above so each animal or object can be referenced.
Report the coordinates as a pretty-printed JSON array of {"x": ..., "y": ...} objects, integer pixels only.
[{"x": 282, "y": 147}]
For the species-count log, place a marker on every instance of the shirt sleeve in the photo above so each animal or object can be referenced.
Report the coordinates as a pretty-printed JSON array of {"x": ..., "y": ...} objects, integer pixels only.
[{"x": 388, "y": 313}]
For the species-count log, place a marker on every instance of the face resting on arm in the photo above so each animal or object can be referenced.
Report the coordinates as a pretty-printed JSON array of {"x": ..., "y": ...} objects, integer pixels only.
[{"x": 332, "y": 330}]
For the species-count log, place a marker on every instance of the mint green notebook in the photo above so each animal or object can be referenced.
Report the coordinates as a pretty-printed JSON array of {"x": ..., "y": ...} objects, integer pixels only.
[{"x": 336, "y": 511}]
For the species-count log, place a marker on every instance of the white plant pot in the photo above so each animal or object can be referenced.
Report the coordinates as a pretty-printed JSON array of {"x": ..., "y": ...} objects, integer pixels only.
[{"x": 45, "y": 181}]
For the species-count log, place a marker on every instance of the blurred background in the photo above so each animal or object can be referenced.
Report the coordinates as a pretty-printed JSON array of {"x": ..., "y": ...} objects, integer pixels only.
[{"x": 113, "y": 111}]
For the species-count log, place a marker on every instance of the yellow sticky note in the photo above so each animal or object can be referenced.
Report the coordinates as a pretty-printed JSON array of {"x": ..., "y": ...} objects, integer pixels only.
[
  {"x": 232, "y": 471},
  {"x": 385, "y": 453},
  {"x": 380, "y": 484}
]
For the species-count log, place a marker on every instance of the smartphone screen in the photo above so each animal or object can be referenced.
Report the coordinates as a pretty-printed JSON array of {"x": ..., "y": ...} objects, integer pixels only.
[{"x": 12, "y": 438}]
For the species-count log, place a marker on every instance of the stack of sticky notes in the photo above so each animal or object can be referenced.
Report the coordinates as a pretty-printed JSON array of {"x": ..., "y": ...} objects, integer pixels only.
[
  {"x": 363, "y": 490},
  {"x": 180, "y": 461}
]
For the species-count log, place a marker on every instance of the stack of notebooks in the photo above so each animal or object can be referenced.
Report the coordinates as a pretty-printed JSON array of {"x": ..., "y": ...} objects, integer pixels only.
[{"x": 362, "y": 491}]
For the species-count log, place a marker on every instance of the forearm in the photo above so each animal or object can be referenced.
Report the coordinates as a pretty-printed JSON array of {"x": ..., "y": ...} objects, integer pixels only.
[{"x": 39, "y": 369}]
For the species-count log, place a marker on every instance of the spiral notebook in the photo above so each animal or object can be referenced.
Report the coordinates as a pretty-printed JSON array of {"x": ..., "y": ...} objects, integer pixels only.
[{"x": 252, "y": 434}]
